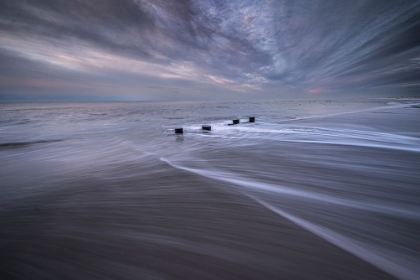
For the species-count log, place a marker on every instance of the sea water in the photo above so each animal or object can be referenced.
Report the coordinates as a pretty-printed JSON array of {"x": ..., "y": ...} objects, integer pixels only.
[{"x": 83, "y": 180}]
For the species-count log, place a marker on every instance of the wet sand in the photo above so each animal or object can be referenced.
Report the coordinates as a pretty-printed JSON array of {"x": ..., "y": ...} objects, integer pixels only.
[{"x": 165, "y": 225}]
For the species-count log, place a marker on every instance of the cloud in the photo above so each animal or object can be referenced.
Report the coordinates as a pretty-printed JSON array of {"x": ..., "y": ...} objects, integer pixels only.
[{"x": 230, "y": 47}]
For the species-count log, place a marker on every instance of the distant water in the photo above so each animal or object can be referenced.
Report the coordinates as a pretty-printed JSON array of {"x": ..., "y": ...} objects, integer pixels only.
[{"x": 321, "y": 189}]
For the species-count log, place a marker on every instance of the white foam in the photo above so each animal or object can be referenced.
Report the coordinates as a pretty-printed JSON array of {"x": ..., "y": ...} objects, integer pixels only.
[
  {"x": 385, "y": 262},
  {"x": 393, "y": 263},
  {"x": 396, "y": 106},
  {"x": 310, "y": 134},
  {"x": 285, "y": 190}
]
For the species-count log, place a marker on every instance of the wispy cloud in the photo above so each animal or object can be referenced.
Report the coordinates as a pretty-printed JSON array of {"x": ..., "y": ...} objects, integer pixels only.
[{"x": 203, "y": 49}]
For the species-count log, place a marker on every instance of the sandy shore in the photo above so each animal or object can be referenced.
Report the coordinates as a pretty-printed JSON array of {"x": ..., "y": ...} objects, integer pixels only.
[
  {"x": 106, "y": 204},
  {"x": 166, "y": 225}
]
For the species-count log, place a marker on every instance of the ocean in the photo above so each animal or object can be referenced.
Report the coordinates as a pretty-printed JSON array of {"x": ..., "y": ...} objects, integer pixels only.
[{"x": 314, "y": 189}]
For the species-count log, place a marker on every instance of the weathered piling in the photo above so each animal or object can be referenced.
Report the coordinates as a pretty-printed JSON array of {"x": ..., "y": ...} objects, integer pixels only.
[
  {"x": 179, "y": 130},
  {"x": 236, "y": 121},
  {"x": 251, "y": 119},
  {"x": 206, "y": 127}
]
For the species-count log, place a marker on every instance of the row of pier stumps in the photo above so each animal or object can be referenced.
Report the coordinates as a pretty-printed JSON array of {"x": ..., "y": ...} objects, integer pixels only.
[{"x": 180, "y": 130}]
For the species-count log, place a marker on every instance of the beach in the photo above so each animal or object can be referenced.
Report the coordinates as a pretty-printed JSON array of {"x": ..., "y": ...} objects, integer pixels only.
[{"x": 318, "y": 189}]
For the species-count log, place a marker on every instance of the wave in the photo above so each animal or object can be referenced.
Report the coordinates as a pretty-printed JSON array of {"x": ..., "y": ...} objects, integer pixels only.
[
  {"x": 285, "y": 190},
  {"x": 391, "y": 262},
  {"x": 40, "y": 109},
  {"x": 385, "y": 262},
  {"x": 28, "y": 143},
  {"x": 390, "y": 106},
  {"x": 315, "y": 135}
]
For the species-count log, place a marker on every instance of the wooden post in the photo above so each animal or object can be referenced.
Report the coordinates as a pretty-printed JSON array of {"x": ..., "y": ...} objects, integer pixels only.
[
  {"x": 235, "y": 121},
  {"x": 179, "y": 130},
  {"x": 251, "y": 119},
  {"x": 206, "y": 127}
]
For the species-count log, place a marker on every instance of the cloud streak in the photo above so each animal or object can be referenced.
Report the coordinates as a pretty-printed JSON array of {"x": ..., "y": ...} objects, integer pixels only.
[{"x": 140, "y": 49}]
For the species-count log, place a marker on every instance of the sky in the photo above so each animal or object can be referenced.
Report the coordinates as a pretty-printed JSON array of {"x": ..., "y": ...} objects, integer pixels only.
[{"x": 138, "y": 50}]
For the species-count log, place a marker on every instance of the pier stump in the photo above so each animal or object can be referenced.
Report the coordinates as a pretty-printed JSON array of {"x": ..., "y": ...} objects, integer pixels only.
[
  {"x": 179, "y": 130},
  {"x": 206, "y": 127},
  {"x": 251, "y": 119}
]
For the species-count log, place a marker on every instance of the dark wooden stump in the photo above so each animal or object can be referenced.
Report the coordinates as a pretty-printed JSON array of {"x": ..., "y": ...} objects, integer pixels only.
[
  {"x": 251, "y": 119},
  {"x": 235, "y": 121},
  {"x": 179, "y": 130},
  {"x": 206, "y": 127}
]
